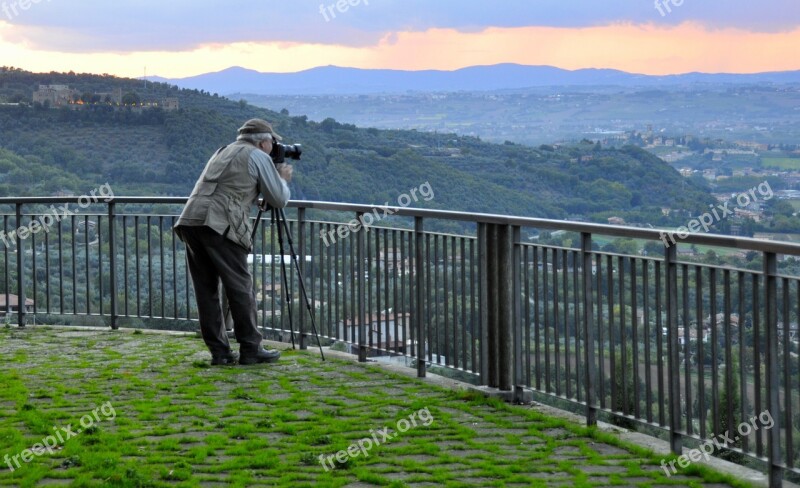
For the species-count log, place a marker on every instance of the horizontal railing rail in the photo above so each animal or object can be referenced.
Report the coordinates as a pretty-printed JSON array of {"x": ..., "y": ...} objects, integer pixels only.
[
  {"x": 739, "y": 243},
  {"x": 700, "y": 353}
]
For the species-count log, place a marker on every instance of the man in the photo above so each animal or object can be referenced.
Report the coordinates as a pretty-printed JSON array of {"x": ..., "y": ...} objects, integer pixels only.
[{"x": 215, "y": 226}]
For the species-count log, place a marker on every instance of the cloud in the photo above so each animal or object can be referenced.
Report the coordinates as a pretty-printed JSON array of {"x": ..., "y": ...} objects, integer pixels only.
[
  {"x": 155, "y": 25},
  {"x": 647, "y": 49}
]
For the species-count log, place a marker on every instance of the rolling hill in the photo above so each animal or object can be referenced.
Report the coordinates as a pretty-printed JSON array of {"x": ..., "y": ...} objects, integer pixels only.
[{"x": 156, "y": 152}]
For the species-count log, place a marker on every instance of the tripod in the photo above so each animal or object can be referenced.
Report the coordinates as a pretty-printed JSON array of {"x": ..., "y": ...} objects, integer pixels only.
[{"x": 279, "y": 216}]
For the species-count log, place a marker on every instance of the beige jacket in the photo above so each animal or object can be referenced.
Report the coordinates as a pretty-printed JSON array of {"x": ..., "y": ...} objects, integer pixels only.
[{"x": 231, "y": 182}]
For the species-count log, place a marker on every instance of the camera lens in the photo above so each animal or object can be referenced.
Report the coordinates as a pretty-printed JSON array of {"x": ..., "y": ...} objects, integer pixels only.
[{"x": 294, "y": 151}]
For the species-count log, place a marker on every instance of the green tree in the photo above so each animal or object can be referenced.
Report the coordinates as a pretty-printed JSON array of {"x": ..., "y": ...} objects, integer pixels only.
[
  {"x": 622, "y": 246},
  {"x": 625, "y": 399},
  {"x": 131, "y": 98},
  {"x": 782, "y": 207},
  {"x": 730, "y": 393}
]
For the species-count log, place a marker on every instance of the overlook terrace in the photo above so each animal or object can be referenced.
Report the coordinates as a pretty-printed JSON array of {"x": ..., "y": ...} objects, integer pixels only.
[{"x": 576, "y": 327}]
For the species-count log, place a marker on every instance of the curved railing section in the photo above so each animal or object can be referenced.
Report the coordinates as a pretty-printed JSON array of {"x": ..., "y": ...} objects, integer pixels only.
[{"x": 705, "y": 355}]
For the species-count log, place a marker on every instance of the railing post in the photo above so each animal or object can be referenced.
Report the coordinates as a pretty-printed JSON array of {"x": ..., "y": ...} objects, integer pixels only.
[
  {"x": 419, "y": 298},
  {"x": 360, "y": 286},
  {"x": 505, "y": 307},
  {"x": 112, "y": 260},
  {"x": 773, "y": 373},
  {"x": 301, "y": 258},
  {"x": 483, "y": 290},
  {"x": 500, "y": 336},
  {"x": 588, "y": 331},
  {"x": 674, "y": 385},
  {"x": 21, "y": 298},
  {"x": 517, "y": 323},
  {"x": 492, "y": 307}
]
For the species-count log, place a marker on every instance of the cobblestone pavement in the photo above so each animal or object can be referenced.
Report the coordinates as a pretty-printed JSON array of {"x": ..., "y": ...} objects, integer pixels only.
[{"x": 178, "y": 421}]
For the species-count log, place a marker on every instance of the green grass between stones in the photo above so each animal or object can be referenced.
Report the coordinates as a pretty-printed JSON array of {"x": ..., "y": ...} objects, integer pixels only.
[{"x": 178, "y": 422}]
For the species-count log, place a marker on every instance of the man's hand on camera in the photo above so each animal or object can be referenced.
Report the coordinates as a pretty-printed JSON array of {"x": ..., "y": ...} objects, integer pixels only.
[{"x": 285, "y": 171}]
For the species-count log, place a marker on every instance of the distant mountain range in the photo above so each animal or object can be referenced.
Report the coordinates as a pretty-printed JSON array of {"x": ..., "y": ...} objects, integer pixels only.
[{"x": 333, "y": 80}]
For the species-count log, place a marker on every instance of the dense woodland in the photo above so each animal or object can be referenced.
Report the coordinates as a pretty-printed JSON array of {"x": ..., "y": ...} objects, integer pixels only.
[{"x": 155, "y": 152}]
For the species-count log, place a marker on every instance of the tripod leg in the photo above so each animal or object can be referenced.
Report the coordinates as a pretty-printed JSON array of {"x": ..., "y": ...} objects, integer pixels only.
[
  {"x": 282, "y": 220},
  {"x": 285, "y": 279},
  {"x": 227, "y": 320}
]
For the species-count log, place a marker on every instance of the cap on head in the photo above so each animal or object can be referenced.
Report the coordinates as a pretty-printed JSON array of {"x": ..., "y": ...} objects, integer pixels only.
[{"x": 259, "y": 126}]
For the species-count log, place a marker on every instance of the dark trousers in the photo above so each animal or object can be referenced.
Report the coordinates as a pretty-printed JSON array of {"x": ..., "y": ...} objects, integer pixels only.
[{"x": 213, "y": 258}]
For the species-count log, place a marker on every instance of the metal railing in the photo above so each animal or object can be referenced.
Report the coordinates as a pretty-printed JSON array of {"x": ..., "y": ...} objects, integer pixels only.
[{"x": 691, "y": 350}]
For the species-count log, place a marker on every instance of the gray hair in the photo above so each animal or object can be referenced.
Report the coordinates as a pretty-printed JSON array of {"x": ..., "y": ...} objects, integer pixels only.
[{"x": 256, "y": 138}]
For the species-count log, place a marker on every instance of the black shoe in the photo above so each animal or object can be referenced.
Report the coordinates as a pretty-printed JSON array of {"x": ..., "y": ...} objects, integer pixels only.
[
  {"x": 226, "y": 359},
  {"x": 261, "y": 356}
]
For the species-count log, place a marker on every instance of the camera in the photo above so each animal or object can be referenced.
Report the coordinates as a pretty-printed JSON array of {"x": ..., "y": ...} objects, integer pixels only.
[{"x": 281, "y": 152}]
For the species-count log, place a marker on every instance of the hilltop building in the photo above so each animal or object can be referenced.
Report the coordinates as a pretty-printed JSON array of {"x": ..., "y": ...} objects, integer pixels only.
[
  {"x": 170, "y": 103},
  {"x": 55, "y": 95},
  {"x": 114, "y": 97}
]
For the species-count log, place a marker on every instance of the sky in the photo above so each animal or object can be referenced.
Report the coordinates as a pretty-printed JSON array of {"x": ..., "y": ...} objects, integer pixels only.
[{"x": 180, "y": 38}]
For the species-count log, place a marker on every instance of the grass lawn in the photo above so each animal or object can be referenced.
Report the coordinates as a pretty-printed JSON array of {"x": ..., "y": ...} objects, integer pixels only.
[
  {"x": 781, "y": 163},
  {"x": 132, "y": 409}
]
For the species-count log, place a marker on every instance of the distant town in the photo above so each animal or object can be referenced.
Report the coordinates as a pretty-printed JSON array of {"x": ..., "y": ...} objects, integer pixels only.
[{"x": 59, "y": 96}]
